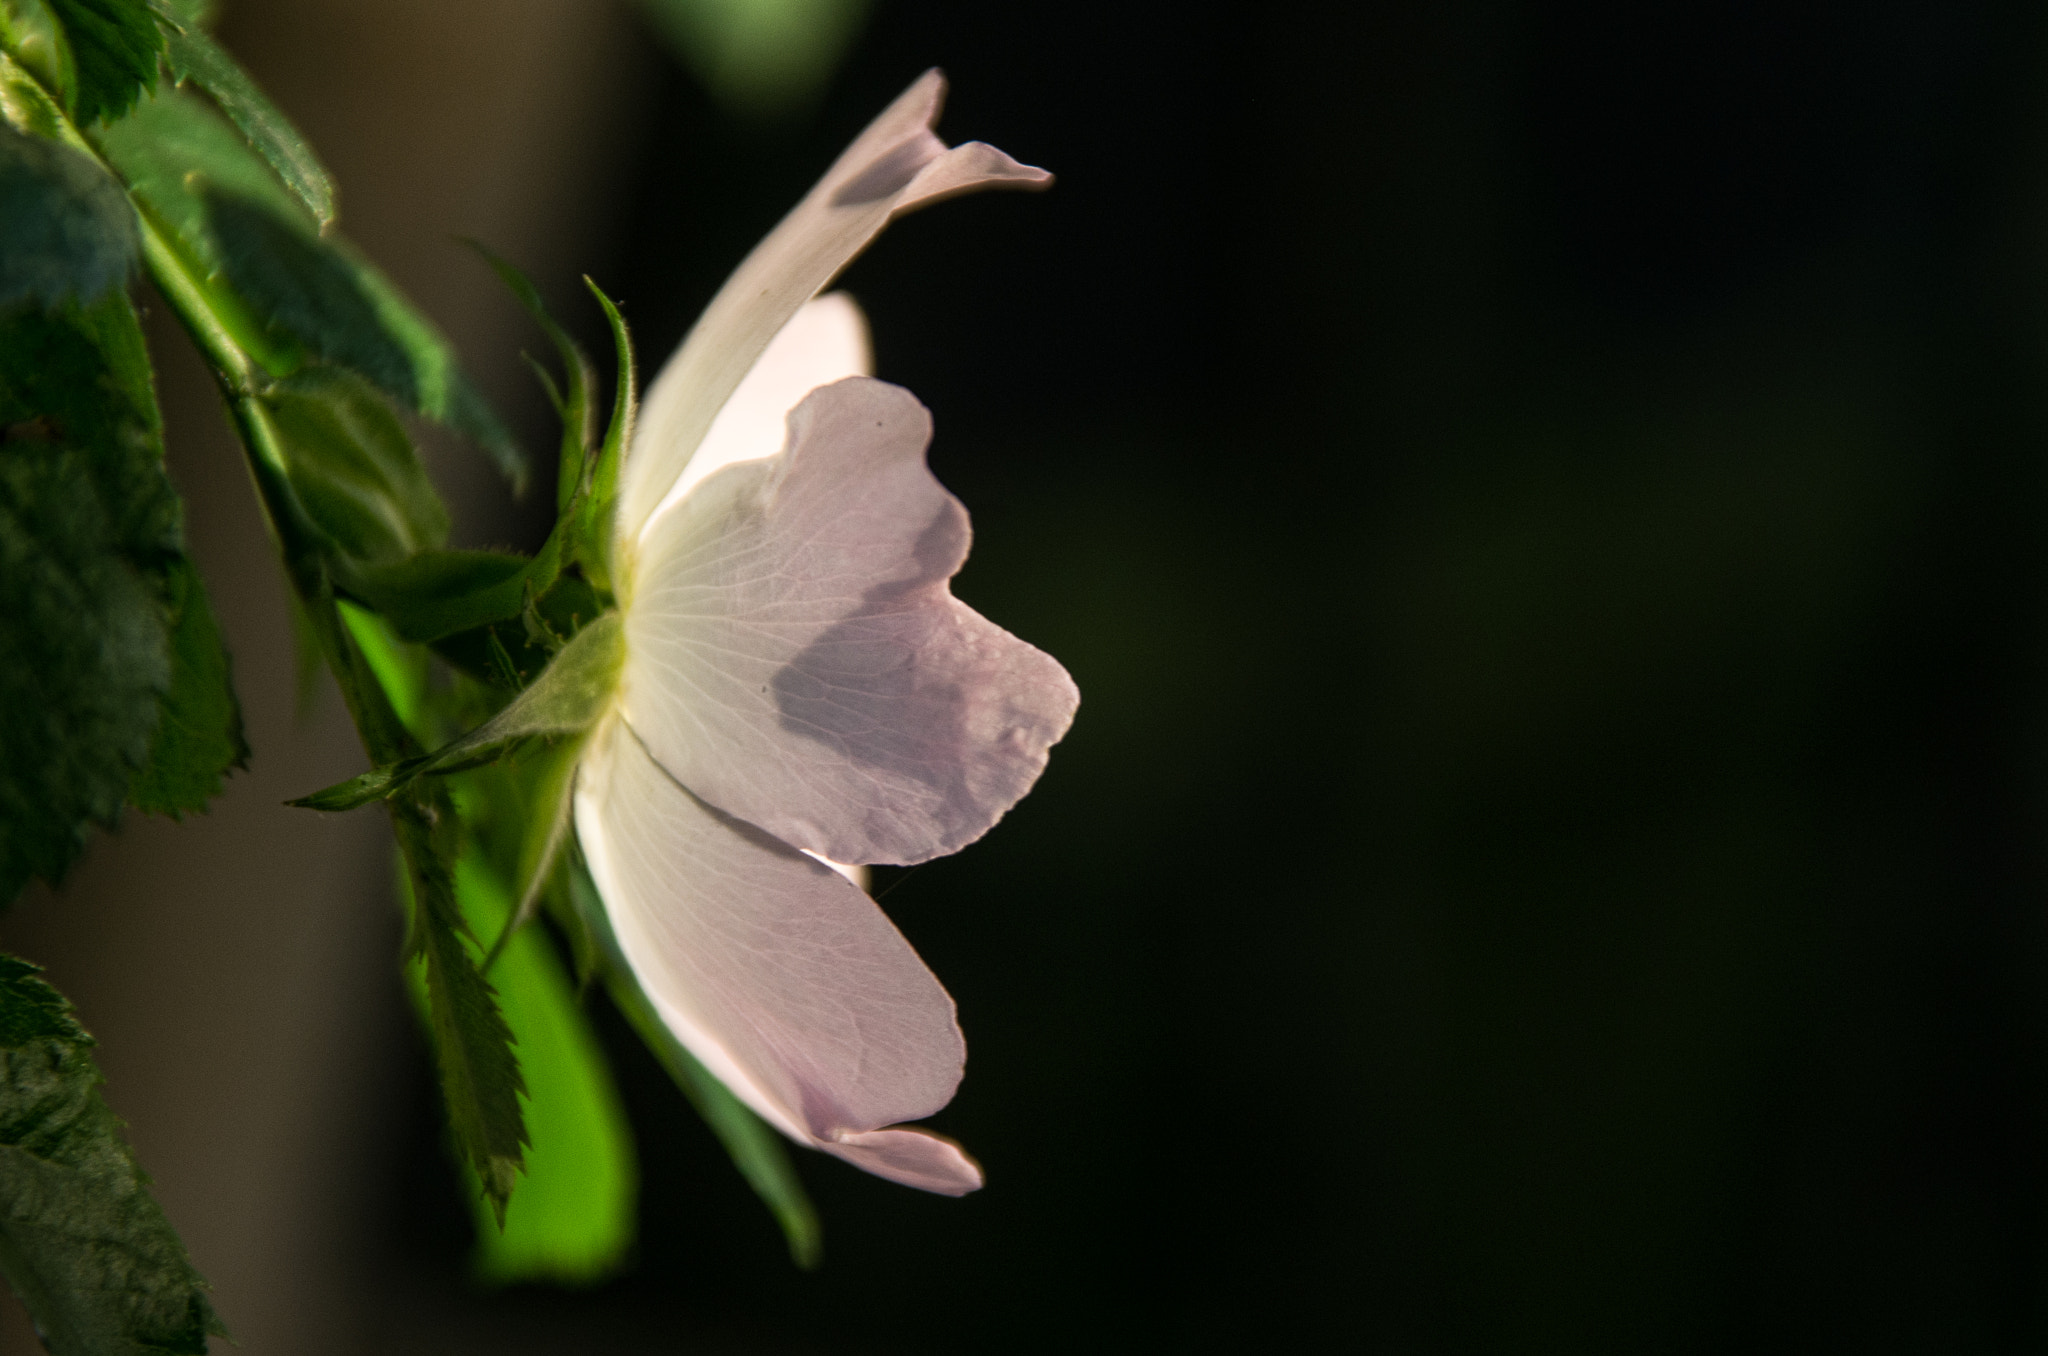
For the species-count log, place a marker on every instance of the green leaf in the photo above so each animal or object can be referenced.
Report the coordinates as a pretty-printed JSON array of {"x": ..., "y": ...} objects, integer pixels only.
[
  {"x": 400, "y": 669},
  {"x": 199, "y": 60},
  {"x": 115, "y": 45},
  {"x": 573, "y": 1217},
  {"x": 755, "y": 1149},
  {"x": 66, "y": 229},
  {"x": 353, "y": 468},
  {"x": 30, "y": 33},
  {"x": 199, "y": 734},
  {"x": 88, "y": 533},
  {"x": 82, "y": 1242},
  {"x": 480, "y": 1078},
  {"x": 288, "y": 294}
]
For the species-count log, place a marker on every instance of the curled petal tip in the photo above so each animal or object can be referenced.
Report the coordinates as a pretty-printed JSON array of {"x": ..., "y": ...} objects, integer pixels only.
[{"x": 910, "y": 1157}]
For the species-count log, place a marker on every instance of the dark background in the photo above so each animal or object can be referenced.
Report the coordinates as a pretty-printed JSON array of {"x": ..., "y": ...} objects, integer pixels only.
[{"x": 1544, "y": 505}]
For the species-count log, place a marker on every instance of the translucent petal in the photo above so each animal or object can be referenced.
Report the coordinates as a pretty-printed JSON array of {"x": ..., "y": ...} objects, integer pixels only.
[
  {"x": 787, "y": 982},
  {"x": 825, "y": 341},
  {"x": 794, "y": 656},
  {"x": 896, "y": 165}
]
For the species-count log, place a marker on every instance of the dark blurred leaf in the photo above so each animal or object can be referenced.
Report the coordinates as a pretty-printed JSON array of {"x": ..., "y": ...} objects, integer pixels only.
[
  {"x": 353, "y": 468},
  {"x": 756, "y": 1150},
  {"x": 480, "y": 1079},
  {"x": 199, "y": 736},
  {"x": 115, "y": 45},
  {"x": 288, "y": 294},
  {"x": 66, "y": 229},
  {"x": 88, "y": 528},
  {"x": 83, "y": 663},
  {"x": 199, "y": 60},
  {"x": 765, "y": 59},
  {"x": 31, "y": 34},
  {"x": 439, "y": 593},
  {"x": 82, "y": 1242},
  {"x": 81, "y": 377}
]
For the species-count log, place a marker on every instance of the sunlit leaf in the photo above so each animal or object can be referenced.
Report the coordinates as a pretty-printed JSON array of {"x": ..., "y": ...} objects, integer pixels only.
[
  {"x": 198, "y": 59},
  {"x": 400, "y": 669},
  {"x": 66, "y": 229},
  {"x": 199, "y": 734},
  {"x": 115, "y": 45},
  {"x": 82, "y": 1242},
  {"x": 31, "y": 34}
]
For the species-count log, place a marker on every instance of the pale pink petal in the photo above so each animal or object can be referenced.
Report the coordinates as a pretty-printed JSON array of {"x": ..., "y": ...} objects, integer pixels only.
[
  {"x": 896, "y": 165},
  {"x": 913, "y": 1157},
  {"x": 794, "y": 656},
  {"x": 825, "y": 341},
  {"x": 786, "y": 981}
]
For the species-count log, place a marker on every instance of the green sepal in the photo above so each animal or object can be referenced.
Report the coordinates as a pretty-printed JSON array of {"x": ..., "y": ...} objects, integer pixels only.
[
  {"x": 66, "y": 228},
  {"x": 353, "y": 468},
  {"x": 501, "y": 654},
  {"x": 199, "y": 736},
  {"x": 481, "y": 1083},
  {"x": 567, "y": 698},
  {"x": 285, "y": 293},
  {"x": 593, "y": 538},
  {"x": 575, "y": 400},
  {"x": 197, "y": 59},
  {"x": 82, "y": 1242},
  {"x": 756, "y": 1150},
  {"x": 31, "y": 34},
  {"x": 115, "y": 47}
]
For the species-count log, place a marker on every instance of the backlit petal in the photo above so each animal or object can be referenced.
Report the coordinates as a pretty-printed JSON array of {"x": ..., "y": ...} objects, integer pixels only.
[
  {"x": 896, "y": 165},
  {"x": 825, "y": 341},
  {"x": 795, "y": 657},
  {"x": 788, "y": 983}
]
